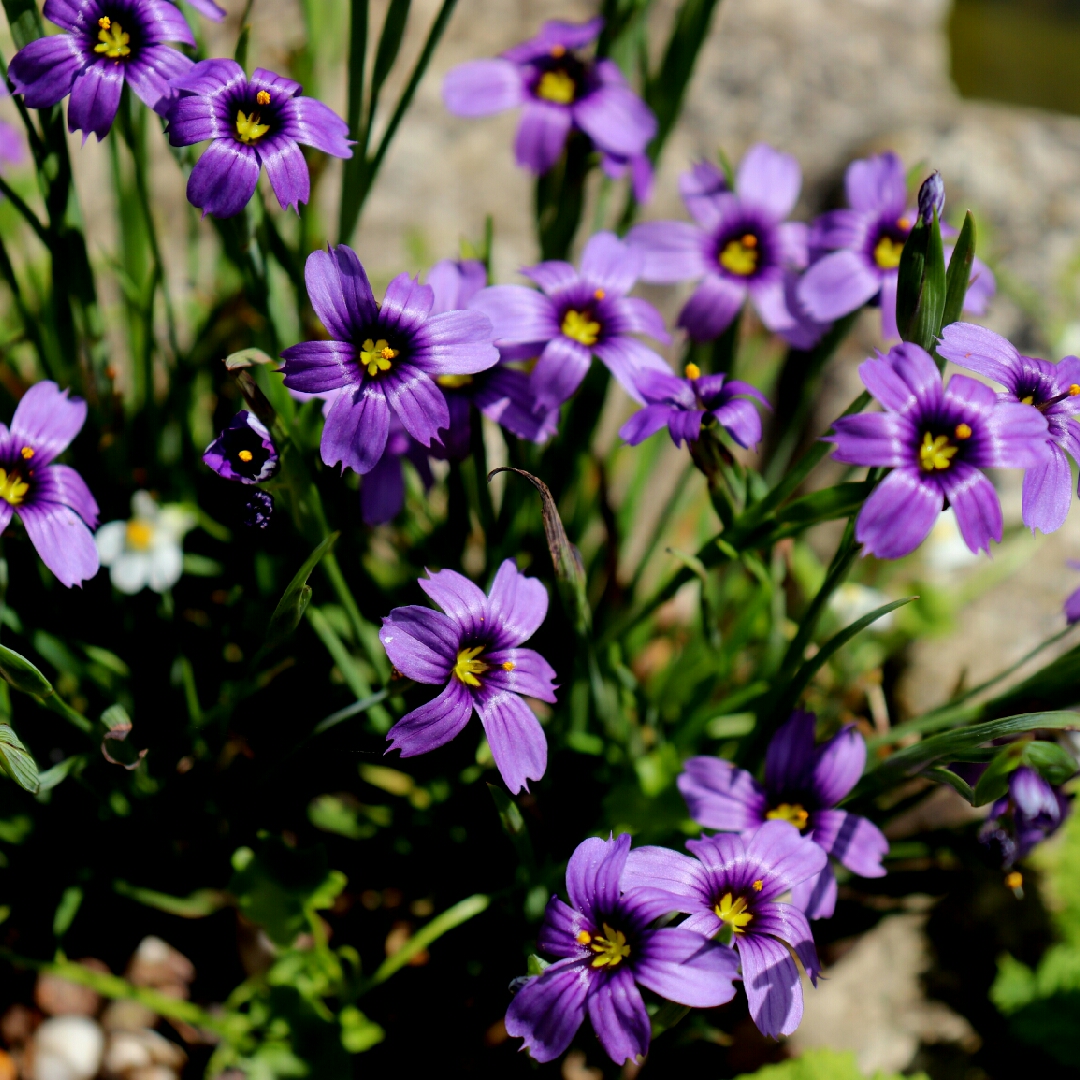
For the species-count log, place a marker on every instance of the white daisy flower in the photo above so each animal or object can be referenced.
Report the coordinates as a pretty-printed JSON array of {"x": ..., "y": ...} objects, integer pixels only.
[{"x": 146, "y": 549}]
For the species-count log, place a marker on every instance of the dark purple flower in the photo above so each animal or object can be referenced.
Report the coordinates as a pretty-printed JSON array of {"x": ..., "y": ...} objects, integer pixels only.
[
  {"x": 559, "y": 91},
  {"x": 578, "y": 314},
  {"x": 258, "y": 509},
  {"x": 382, "y": 359},
  {"x": 803, "y": 784},
  {"x": 108, "y": 43},
  {"x": 244, "y": 451},
  {"x": 382, "y": 493},
  {"x": 1052, "y": 389},
  {"x": 936, "y": 439},
  {"x": 606, "y": 950},
  {"x": 1032, "y": 811},
  {"x": 503, "y": 393},
  {"x": 739, "y": 244},
  {"x": 52, "y": 501},
  {"x": 856, "y": 252},
  {"x": 473, "y": 649},
  {"x": 682, "y": 404},
  {"x": 732, "y": 888},
  {"x": 253, "y": 123}
]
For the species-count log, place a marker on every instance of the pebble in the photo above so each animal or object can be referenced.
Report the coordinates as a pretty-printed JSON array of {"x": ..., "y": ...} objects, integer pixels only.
[{"x": 67, "y": 1048}]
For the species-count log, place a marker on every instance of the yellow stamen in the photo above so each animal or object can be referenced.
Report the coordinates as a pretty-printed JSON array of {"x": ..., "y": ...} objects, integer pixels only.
[
  {"x": 139, "y": 535},
  {"x": 1029, "y": 400},
  {"x": 935, "y": 452},
  {"x": 580, "y": 327},
  {"x": 1014, "y": 880},
  {"x": 792, "y": 812},
  {"x": 693, "y": 371},
  {"x": 114, "y": 42},
  {"x": 583, "y": 937},
  {"x": 887, "y": 253},
  {"x": 903, "y": 223},
  {"x": 558, "y": 51},
  {"x": 454, "y": 382},
  {"x": 599, "y": 294},
  {"x": 249, "y": 128},
  {"x": 27, "y": 452},
  {"x": 1074, "y": 389},
  {"x": 963, "y": 431},
  {"x": 759, "y": 885},
  {"x": 740, "y": 256},
  {"x": 508, "y": 665},
  {"x": 611, "y": 947},
  {"x": 13, "y": 487},
  {"x": 262, "y": 97},
  {"x": 245, "y": 455},
  {"x": 733, "y": 913},
  {"x": 556, "y": 86},
  {"x": 376, "y": 355},
  {"x": 468, "y": 667}
]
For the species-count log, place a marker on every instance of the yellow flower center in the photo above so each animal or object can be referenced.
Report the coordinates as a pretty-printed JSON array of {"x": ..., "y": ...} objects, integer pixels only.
[
  {"x": 139, "y": 534},
  {"x": 610, "y": 947},
  {"x": 556, "y": 86},
  {"x": 936, "y": 452},
  {"x": 114, "y": 42},
  {"x": 376, "y": 356},
  {"x": 887, "y": 253},
  {"x": 13, "y": 487},
  {"x": 693, "y": 371},
  {"x": 245, "y": 455},
  {"x": 741, "y": 256},
  {"x": 468, "y": 667},
  {"x": 580, "y": 326},
  {"x": 249, "y": 128},
  {"x": 1028, "y": 400},
  {"x": 454, "y": 382},
  {"x": 792, "y": 812},
  {"x": 262, "y": 97},
  {"x": 732, "y": 912}
]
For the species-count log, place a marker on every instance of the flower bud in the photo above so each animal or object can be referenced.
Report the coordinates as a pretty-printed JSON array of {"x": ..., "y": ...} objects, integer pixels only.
[{"x": 931, "y": 198}]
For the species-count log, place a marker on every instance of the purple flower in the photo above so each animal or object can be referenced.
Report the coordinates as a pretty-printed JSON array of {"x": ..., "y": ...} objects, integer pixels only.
[
  {"x": 936, "y": 439},
  {"x": 1032, "y": 811},
  {"x": 382, "y": 359},
  {"x": 1052, "y": 389},
  {"x": 682, "y": 404},
  {"x": 472, "y": 647},
  {"x": 258, "y": 510},
  {"x": 739, "y": 244},
  {"x": 559, "y": 91},
  {"x": 578, "y": 314},
  {"x": 1072, "y": 603},
  {"x": 253, "y": 123},
  {"x": 52, "y": 501},
  {"x": 606, "y": 950},
  {"x": 731, "y": 888},
  {"x": 244, "y": 451},
  {"x": 503, "y": 393},
  {"x": 108, "y": 43},
  {"x": 803, "y": 784},
  {"x": 382, "y": 494},
  {"x": 857, "y": 251},
  {"x": 209, "y": 10}
]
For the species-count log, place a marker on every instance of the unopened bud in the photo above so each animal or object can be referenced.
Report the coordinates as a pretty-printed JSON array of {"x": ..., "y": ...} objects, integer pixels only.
[{"x": 931, "y": 198}]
